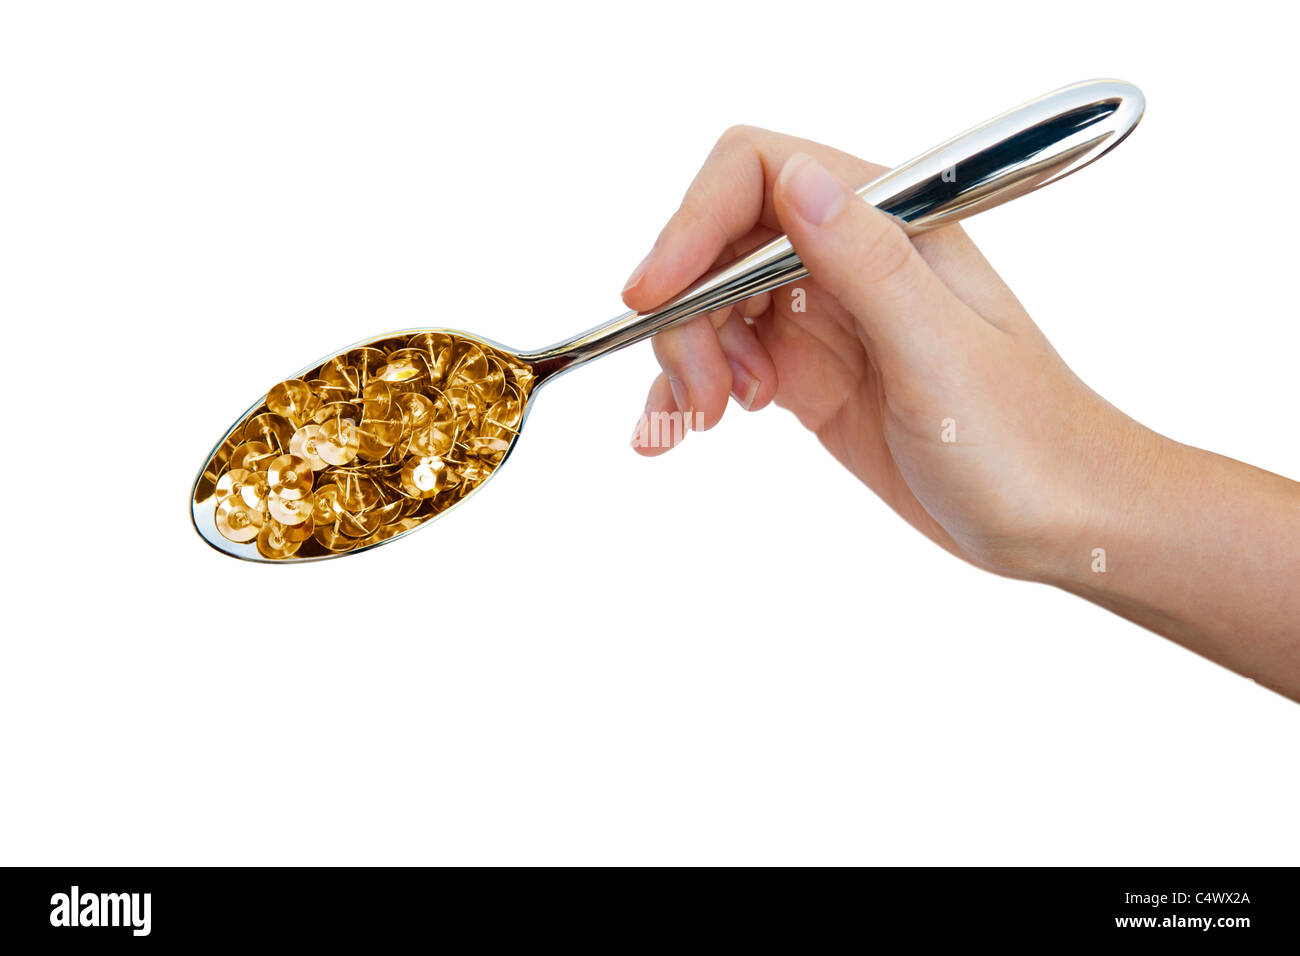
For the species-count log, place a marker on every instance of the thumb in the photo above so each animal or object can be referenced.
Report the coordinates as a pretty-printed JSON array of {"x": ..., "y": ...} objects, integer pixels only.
[{"x": 861, "y": 256}]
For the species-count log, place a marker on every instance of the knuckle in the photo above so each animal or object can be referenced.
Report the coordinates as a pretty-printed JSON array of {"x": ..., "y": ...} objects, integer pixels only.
[
  {"x": 887, "y": 252},
  {"x": 700, "y": 211},
  {"x": 740, "y": 133}
]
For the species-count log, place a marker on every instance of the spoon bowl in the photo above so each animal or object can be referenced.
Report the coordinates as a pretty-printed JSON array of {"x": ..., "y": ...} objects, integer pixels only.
[{"x": 363, "y": 447}]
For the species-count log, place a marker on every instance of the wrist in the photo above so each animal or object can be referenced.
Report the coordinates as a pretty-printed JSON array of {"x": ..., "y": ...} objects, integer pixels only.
[{"x": 1108, "y": 501}]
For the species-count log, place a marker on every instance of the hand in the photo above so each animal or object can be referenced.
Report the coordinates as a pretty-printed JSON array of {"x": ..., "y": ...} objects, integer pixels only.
[
  {"x": 913, "y": 363},
  {"x": 920, "y": 372}
]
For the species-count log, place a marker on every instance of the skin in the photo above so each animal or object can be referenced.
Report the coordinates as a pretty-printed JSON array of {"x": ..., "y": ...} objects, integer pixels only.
[{"x": 905, "y": 343}]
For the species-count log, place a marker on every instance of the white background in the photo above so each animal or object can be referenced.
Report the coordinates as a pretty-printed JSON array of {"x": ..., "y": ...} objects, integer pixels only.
[{"x": 732, "y": 654}]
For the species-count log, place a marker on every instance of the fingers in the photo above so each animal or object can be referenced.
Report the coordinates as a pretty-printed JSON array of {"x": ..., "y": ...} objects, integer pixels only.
[
  {"x": 722, "y": 205},
  {"x": 672, "y": 409},
  {"x": 727, "y": 210},
  {"x": 730, "y": 203},
  {"x": 698, "y": 374},
  {"x": 863, "y": 258},
  {"x": 704, "y": 365},
  {"x": 753, "y": 373},
  {"x": 660, "y": 427}
]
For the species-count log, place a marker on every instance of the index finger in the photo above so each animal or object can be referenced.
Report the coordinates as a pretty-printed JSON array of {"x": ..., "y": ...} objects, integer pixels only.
[{"x": 730, "y": 198}]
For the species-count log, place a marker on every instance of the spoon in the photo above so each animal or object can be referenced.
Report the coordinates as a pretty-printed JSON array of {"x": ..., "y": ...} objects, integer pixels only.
[{"x": 373, "y": 442}]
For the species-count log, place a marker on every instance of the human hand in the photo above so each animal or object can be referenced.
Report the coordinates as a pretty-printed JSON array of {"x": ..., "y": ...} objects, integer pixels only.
[{"x": 912, "y": 362}]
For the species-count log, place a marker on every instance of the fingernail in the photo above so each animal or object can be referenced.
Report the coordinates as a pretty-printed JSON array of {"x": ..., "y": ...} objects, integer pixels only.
[
  {"x": 744, "y": 387},
  {"x": 816, "y": 195},
  {"x": 639, "y": 272},
  {"x": 682, "y": 397}
]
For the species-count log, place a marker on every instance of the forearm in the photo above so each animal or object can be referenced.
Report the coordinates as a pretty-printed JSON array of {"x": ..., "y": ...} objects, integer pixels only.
[{"x": 1199, "y": 548}]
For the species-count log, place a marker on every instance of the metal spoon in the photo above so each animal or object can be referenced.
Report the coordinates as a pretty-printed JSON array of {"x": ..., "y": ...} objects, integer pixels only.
[{"x": 1007, "y": 156}]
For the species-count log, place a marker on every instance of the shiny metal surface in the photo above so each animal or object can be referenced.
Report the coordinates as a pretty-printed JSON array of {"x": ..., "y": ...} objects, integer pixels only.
[
  {"x": 1007, "y": 156},
  {"x": 1012, "y": 154}
]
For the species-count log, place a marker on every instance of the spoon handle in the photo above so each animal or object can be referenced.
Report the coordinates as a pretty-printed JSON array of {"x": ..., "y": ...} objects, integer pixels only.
[{"x": 1005, "y": 157}]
